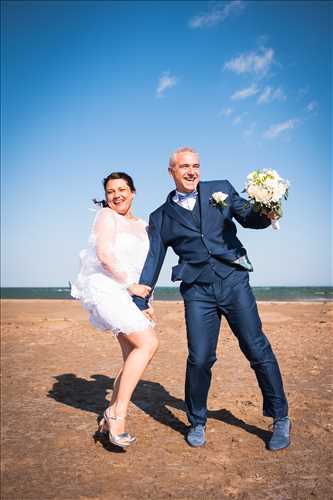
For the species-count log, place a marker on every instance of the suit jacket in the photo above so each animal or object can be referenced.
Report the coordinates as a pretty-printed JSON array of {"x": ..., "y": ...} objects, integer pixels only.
[{"x": 209, "y": 242}]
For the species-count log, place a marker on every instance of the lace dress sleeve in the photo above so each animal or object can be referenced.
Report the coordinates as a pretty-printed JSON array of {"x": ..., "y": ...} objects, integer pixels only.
[{"x": 105, "y": 235}]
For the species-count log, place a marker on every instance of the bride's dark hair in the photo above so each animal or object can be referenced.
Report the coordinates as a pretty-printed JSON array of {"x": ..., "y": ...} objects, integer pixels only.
[{"x": 115, "y": 175}]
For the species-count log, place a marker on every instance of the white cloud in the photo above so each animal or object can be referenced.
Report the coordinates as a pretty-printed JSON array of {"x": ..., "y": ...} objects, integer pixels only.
[
  {"x": 226, "y": 112},
  {"x": 275, "y": 130},
  {"x": 270, "y": 94},
  {"x": 244, "y": 93},
  {"x": 257, "y": 63},
  {"x": 165, "y": 82},
  {"x": 237, "y": 120},
  {"x": 265, "y": 95},
  {"x": 217, "y": 14},
  {"x": 312, "y": 106}
]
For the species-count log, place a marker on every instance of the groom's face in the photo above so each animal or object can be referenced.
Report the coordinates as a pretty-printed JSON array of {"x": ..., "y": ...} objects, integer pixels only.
[{"x": 186, "y": 172}]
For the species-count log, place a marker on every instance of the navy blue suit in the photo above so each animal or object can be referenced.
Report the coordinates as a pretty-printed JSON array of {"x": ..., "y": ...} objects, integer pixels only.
[{"x": 212, "y": 285}]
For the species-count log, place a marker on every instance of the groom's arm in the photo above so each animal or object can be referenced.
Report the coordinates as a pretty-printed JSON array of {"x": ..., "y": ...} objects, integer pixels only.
[
  {"x": 154, "y": 260},
  {"x": 243, "y": 211}
]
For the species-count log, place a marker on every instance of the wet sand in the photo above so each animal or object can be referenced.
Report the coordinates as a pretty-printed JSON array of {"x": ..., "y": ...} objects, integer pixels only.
[{"x": 57, "y": 375}]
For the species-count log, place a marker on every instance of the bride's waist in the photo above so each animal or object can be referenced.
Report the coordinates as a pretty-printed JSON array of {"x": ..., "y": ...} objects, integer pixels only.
[
  {"x": 100, "y": 274},
  {"x": 90, "y": 264}
]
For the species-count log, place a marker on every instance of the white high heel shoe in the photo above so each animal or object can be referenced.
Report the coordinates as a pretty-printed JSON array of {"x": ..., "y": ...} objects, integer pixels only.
[{"x": 123, "y": 440}]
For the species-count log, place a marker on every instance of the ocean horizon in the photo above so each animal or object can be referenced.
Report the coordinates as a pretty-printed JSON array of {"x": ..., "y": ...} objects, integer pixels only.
[{"x": 262, "y": 293}]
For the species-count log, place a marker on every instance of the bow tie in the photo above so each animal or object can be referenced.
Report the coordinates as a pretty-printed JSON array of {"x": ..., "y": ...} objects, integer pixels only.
[{"x": 186, "y": 196}]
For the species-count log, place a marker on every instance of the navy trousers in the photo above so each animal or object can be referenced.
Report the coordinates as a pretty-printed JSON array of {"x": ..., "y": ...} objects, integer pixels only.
[{"x": 233, "y": 298}]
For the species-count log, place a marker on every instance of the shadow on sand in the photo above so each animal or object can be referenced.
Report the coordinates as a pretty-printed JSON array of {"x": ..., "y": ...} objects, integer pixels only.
[{"x": 150, "y": 397}]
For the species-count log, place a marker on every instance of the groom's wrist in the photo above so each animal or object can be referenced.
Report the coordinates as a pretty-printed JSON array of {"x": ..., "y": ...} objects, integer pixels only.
[{"x": 141, "y": 303}]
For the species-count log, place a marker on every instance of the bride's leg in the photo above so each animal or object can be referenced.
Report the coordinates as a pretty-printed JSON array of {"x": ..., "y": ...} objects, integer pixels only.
[
  {"x": 126, "y": 348},
  {"x": 143, "y": 347}
]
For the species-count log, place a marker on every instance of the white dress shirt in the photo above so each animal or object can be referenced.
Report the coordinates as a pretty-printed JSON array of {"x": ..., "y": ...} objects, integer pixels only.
[{"x": 185, "y": 200}]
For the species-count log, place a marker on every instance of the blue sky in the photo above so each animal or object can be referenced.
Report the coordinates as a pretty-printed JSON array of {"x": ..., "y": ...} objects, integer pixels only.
[{"x": 93, "y": 87}]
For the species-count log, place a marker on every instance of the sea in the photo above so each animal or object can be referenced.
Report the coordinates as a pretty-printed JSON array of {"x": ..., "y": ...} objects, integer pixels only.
[{"x": 262, "y": 293}]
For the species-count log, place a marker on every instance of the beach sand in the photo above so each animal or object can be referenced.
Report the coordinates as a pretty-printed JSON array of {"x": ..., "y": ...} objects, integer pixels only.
[{"x": 57, "y": 375}]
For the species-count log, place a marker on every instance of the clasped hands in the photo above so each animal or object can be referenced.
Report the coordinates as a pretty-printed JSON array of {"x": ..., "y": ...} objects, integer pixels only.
[{"x": 142, "y": 291}]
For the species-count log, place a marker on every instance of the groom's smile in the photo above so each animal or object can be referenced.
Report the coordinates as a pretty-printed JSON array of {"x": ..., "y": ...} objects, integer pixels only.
[{"x": 185, "y": 171}]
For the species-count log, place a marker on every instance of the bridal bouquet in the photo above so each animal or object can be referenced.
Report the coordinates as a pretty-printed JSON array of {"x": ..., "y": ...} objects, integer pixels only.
[{"x": 266, "y": 189}]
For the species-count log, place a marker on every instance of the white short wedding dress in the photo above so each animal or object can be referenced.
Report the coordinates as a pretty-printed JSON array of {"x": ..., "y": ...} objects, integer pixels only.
[{"x": 123, "y": 245}]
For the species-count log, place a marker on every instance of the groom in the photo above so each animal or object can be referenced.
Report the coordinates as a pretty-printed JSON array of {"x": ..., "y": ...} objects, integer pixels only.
[{"x": 196, "y": 221}]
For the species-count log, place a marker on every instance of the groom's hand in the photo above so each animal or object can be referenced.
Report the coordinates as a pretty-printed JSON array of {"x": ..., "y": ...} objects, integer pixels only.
[{"x": 272, "y": 216}]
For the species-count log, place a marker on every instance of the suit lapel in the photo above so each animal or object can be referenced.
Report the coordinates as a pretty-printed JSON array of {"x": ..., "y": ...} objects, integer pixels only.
[
  {"x": 179, "y": 214},
  {"x": 209, "y": 213}
]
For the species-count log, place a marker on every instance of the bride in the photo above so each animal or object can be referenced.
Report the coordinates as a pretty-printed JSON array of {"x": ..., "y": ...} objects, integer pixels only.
[{"x": 110, "y": 270}]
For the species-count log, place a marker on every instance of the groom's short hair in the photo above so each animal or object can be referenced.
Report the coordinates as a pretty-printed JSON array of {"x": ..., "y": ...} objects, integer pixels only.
[{"x": 172, "y": 159}]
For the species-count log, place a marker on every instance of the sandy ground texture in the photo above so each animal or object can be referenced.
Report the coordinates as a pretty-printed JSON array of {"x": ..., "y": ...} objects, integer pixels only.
[{"x": 58, "y": 374}]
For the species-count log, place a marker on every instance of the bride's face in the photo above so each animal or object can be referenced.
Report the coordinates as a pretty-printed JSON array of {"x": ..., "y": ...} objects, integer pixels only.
[{"x": 119, "y": 196}]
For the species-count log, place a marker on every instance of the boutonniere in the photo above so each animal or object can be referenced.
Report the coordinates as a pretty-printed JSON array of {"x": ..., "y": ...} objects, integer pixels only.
[{"x": 218, "y": 199}]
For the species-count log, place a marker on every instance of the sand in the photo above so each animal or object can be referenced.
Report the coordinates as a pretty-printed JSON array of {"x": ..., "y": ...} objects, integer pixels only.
[{"x": 57, "y": 375}]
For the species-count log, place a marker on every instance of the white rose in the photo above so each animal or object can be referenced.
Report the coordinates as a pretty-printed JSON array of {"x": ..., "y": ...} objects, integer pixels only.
[
  {"x": 262, "y": 195},
  {"x": 272, "y": 184},
  {"x": 219, "y": 197},
  {"x": 251, "y": 190},
  {"x": 279, "y": 192}
]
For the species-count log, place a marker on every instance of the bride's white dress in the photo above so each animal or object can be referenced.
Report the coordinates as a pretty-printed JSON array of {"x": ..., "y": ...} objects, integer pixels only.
[{"x": 113, "y": 260}]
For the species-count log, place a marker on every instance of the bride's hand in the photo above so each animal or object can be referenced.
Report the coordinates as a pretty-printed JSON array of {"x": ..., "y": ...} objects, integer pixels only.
[
  {"x": 139, "y": 290},
  {"x": 149, "y": 313}
]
